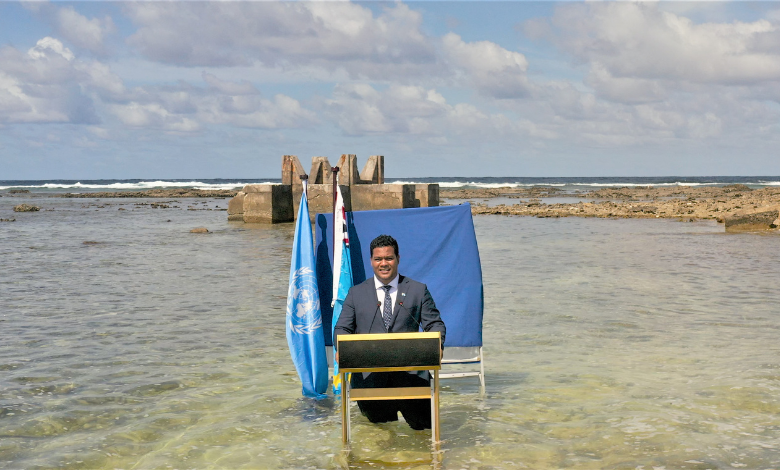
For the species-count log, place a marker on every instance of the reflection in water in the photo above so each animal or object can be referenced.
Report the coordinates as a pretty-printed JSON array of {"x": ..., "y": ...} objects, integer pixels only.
[{"x": 608, "y": 343}]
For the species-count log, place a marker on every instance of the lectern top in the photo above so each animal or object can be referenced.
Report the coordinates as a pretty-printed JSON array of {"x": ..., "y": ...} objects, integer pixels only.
[
  {"x": 390, "y": 336},
  {"x": 389, "y": 352}
]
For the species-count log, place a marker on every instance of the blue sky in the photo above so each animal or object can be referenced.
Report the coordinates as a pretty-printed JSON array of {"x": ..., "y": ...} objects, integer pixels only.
[{"x": 222, "y": 90}]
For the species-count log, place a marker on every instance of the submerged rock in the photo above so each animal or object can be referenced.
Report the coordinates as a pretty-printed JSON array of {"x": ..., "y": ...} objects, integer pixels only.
[
  {"x": 199, "y": 230},
  {"x": 752, "y": 222},
  {"x": 26, "y": 208}
]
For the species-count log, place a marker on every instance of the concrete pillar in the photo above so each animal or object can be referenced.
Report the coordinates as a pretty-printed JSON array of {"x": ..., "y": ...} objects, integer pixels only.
[
  {"x": 387, "y": 196},
  {"x": 320, "y": 171},
  {"x": 268, "y": 203},
  {"x": 292, "y": 170},
  {"x": 374, "y": 171},
  {"x": 321, "y": 199},
  {"x": 348, "y": 170},
  {"x": 425, "y": 195},
  {"x": 236, "y": 207}
]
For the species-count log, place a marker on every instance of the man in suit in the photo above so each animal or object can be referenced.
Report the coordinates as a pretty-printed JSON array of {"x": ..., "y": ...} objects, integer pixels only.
[{"x": 390, "y": 303}]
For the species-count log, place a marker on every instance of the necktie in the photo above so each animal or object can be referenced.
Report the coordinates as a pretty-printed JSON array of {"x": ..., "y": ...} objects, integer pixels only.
[{"x": 387, "y": 310}]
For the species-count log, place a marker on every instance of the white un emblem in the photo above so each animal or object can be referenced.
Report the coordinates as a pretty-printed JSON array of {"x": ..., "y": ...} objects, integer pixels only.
[{"x": 303, "y": 303}]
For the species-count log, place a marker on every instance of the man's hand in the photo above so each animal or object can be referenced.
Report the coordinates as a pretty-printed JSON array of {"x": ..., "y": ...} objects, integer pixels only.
[{"x": 337, "y": 356}]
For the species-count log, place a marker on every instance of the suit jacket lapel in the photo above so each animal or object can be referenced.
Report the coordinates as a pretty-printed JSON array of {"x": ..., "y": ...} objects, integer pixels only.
[{"x": 403, "y": 285}]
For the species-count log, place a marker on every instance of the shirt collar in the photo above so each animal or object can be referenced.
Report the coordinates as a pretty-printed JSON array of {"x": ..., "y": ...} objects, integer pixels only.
[{"x": 393, "y": 284}]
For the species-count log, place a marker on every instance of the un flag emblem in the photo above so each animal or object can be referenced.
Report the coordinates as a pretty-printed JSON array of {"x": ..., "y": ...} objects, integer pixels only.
[{"x": 303, "y": 303}]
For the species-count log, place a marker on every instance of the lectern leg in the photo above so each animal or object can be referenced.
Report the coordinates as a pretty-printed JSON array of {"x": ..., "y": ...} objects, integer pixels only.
[
  {"x": 435, "y": 436},
  {"x": 345, "y": 431}
]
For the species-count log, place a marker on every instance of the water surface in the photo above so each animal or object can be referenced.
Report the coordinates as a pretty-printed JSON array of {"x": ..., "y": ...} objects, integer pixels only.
[{"x": 128, "y": 342}]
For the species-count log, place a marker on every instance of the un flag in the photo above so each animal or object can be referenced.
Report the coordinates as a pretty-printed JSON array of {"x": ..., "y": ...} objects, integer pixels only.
[{"x": 305, "y": 336}]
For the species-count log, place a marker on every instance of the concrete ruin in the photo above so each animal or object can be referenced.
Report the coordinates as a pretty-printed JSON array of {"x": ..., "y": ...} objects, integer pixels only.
[{"x": 365, "y": 190}]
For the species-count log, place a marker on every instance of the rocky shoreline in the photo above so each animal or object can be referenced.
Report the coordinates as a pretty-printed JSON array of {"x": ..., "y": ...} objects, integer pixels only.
[
  {"x": 733, "y": 204},
  {"x": 157, "y": 193},
  {"x": 677, "y": 202}
]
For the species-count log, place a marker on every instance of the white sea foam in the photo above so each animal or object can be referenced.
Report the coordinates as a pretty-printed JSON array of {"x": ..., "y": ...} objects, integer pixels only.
[
  {"x": 142, "y": 185},
  {"x": 460, "y": 184},
  {"x": 162, "y": 184},
  {"x": 472, "y": 184}
]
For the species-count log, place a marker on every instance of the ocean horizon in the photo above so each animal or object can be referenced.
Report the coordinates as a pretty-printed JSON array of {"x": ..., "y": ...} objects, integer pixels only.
[{"x": 460, "y": 182}]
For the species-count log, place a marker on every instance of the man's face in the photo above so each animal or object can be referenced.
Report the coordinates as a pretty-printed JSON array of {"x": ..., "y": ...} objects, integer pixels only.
[{"x": 384, "y": 261}]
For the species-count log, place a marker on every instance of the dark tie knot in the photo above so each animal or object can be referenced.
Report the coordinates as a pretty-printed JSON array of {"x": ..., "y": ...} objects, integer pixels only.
[{"x": 386, "y": 288}]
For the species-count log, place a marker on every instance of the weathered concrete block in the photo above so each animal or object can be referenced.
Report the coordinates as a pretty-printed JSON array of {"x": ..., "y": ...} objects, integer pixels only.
[
  {"x": 321, "y": 199},
  {"x": 321, "y": 172},
  {"x": 292, "y": 170},
  {"x": 348, "y": 170},
  {"x": 425, "y": 195},
  {"x": 374, "y": 171},
  {"x": 268, "y": 203},
  {"x": 752, "y": 222},
  {"x": 236, "y": 207},
  {"x": 382, "y": 196}
]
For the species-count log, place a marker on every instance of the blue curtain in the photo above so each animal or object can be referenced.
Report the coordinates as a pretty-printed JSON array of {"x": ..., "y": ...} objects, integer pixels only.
[{"x": 438, "y": 247}]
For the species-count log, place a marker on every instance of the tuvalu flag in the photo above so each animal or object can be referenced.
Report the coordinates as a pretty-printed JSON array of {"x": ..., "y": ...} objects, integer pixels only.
[
  {"x": 305, "y": 336},
  {"x": 342, "y": 272}
]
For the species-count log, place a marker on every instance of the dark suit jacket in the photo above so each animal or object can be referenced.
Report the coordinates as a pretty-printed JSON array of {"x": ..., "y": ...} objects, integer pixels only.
[{"x": 414, "y": 308}]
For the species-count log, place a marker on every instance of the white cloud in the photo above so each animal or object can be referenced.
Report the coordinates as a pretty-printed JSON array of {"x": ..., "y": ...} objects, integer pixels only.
[
  {"x": 44, "y": 85},
  {"x": 89, "y": 34},
  {"x": 330, "y": 35},
  {"x": 625, "y": 89},
  {"x": 186, "y": 107},
  {"x": 487, "y": 66},
  {"x": 48, "y": 45},
  {"x": 153, "y": 115},
  {"x": 360, "y": 109},
  {"x": 641, "y": 41},
  {"x": 322, "y": 41},
  {"x": 227, "y": 87},
  {"x": 50, "y": 84},
  {"x": 654, "y": 76}
]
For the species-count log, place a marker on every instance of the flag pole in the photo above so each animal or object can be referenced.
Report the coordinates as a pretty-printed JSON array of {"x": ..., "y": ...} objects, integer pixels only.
[{"x": 335, "y": 171}]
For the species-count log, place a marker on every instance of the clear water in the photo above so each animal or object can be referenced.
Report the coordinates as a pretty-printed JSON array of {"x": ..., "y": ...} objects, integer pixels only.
[{"x": 609, "y": 344}]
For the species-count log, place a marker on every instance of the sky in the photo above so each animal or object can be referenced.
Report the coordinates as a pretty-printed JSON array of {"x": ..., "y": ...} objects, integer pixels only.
[{"x": 120, "y": 90}]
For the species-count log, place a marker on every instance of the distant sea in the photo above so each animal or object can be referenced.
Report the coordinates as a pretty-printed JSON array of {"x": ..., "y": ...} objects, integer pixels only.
[{"x": 567, "y": 184}]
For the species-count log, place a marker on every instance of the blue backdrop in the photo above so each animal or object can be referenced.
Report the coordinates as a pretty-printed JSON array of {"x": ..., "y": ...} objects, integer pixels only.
[{"x": 437, "y": 246}]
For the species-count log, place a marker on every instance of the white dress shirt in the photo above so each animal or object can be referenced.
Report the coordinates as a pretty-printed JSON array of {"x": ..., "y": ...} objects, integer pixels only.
[{"x": 380, "y": 292}]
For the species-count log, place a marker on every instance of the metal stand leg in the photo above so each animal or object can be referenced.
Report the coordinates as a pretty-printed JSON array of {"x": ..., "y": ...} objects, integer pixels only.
[
  {"x": 481, "y": 371},
  {"x": 345, "y": 424},
  {"x": 435, "y": 437}
]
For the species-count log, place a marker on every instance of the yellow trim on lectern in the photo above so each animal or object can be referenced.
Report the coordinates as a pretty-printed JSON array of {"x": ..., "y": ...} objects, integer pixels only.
[
  {"x": 401, "y": 393},
  {"x": 388, "y": 369},
  {"x": 380, "y": 336}
]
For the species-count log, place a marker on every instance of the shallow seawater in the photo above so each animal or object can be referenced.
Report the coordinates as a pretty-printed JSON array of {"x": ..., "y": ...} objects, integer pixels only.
[{"x": 615, "y": 344}]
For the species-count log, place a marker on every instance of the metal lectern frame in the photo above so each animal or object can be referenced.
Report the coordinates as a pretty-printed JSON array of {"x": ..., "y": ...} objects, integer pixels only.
[{"x": 379, "y": 345}]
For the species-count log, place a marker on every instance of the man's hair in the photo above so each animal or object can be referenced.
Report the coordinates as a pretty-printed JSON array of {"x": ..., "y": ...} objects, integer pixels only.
[{"x": 382, "y": 241}]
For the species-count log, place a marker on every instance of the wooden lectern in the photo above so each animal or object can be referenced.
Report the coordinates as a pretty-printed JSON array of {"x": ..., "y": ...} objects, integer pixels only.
[{"x": 389, "y": 352}]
